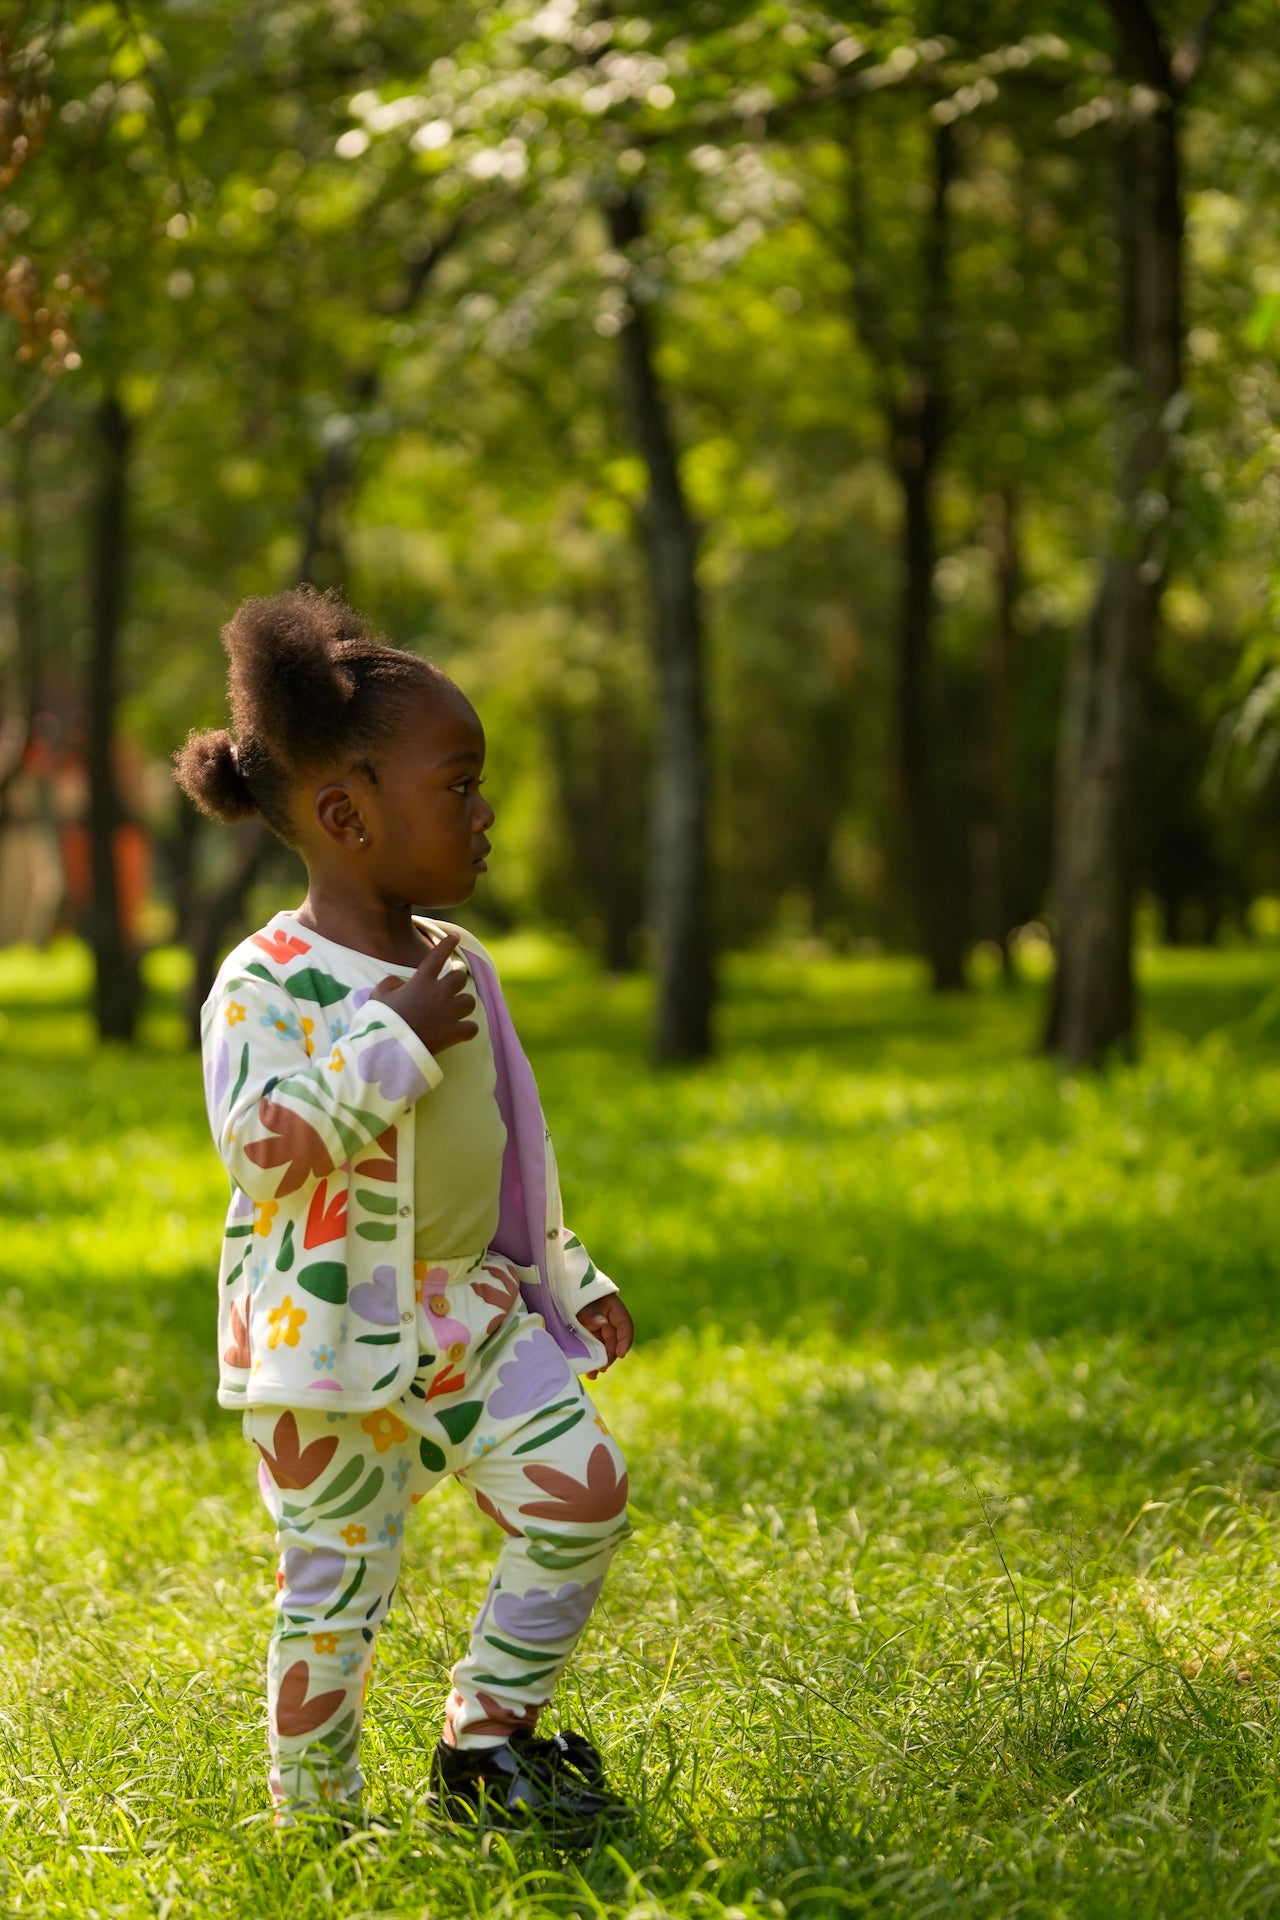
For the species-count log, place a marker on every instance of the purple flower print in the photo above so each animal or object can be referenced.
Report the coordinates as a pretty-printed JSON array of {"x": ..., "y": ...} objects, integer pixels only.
[
  {"x": 536, "y": 1372},
  {"x": 545, "y": 1617},
  {"x": 376, "y": 1299},
  {"x": 359, "y": 997},
  {"x": 388, "y": 1066},
  {"x": 312, "y": 1573},
  {"x": 217, "y": 1074}
]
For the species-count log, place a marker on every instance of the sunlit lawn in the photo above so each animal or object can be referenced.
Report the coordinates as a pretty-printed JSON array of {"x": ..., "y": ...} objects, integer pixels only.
[{"x": 955, "y": 1434}]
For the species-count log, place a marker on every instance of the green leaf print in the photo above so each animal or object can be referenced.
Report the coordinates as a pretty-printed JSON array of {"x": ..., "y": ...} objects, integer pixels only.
[
  {"x": 522, "y": 1680},
  {"x": 311, "y": 984},
  {"x": 559, "y": 1562},
  {"x": 369, "y": 1491},
  {"x": 432, "y": 1456},
  {"x": 284, "y": 1259},
  {"x": 340, "y": 1482},
  {"x": 376, "y": 1202},
  {"x": 377, "y": 1339},
  {"x": 350, "y": 1593},
  {"x": 386, "y": 1380},
  {"x": 588, "y": 1276},
  {"x": 458, "y": 1422},
  {"x": 259, "y": 972},
  {"x": 327, "y": 1280},
  {"x": 241, "y": 1076},
  {"x": 551, "y": 1433},
  {"x": 375, "y": 1230},
  {"x": 571, "y": 1240},
  {"x": 517, "y": 1653}
]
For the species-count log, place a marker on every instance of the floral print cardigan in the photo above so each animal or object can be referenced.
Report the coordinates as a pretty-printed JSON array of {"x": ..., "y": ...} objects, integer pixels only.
[{"x": 312, "y": 1093}]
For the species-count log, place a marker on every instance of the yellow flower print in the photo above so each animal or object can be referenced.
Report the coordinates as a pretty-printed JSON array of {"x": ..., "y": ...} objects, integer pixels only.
[
  {"x": 353, "y": 1535},
  {"x": 286, "y": 1322},
  {"x": 337, "y": 1060},
  {"x": 600, "y": 1423},
  {"x": 384, "y": 1429},
  {"x": 264, "y": 1212},
  {"x": 325, "y": 1642},
  {"x": 235, "y": 1014},
  {"x": 308, "y": 1028}
]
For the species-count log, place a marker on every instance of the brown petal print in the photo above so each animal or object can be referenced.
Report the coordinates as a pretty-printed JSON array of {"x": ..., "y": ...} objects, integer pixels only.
[
  {"x": 237, "y": 1354},
  {"x": 486, "y": 1505},
  {"x": 503, "y": 1295},
  {"x": 599, "y": 1497},
  {"x": 295, "y": 1714},
  {"x": 297, "y": 1147},
  {"x": 504, "y": 1720},
  {"x": 291, "y": 1466},
  {"x": 384, "y": 1169}
]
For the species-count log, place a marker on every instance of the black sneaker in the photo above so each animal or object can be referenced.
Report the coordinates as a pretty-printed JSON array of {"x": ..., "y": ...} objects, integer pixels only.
[{"x": 556, "y": 1785}]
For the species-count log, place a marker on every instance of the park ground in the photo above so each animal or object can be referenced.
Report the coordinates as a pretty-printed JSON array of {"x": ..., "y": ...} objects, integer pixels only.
[{"x": 955, "y": 1436}]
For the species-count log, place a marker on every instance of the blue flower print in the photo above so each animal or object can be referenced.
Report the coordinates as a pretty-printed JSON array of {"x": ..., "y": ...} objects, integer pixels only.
[
  {"x": 257, "y": 1272},
  {"x": 285, "y": 1023},
  {"x": 485, "y": 1444},
  {"x": 323, "y": 1357},
  {"x": 400, "y": 1474},
  {"x": 392, "y": 1530},
  {"x": 350, "y": 1661},
  {"x": 339, "y": 1031}
]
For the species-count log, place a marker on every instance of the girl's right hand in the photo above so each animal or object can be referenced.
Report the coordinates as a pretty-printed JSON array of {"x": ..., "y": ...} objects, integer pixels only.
[{"x": 433, "y": 1002}]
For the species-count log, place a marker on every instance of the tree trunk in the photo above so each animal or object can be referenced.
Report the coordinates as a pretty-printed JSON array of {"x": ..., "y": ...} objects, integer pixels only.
[
  {"x": 117, "y": 980},
  {"x": 935, "y": 875},
  {"x": 1092, "y": 1006},
  {"x": 20, "y": 709},
  {"x": 680, "y": 872},
  {"x": 1002, "y": 543}
]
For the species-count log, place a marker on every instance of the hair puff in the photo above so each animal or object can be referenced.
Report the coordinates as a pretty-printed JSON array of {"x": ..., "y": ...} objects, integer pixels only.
[{"x": 208, "y": 771}]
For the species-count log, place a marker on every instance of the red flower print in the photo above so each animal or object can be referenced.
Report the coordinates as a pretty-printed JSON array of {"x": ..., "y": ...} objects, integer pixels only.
[
  {"x": 297, "y": 1147},
  {"x": 599, "y": 1497},
  {"x": 295, "y": 1714},
  {"x": 325, "y": 1220},
  {"x": 293, "y": 1466},
  {"x": 280, "y": 946}
]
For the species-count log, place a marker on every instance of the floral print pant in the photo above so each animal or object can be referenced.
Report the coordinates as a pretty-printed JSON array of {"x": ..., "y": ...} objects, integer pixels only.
[{"x": 494, "y": 1404}]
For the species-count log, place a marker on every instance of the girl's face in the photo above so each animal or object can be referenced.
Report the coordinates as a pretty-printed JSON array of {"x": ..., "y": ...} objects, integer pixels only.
[{"x": 425, "y": 818}]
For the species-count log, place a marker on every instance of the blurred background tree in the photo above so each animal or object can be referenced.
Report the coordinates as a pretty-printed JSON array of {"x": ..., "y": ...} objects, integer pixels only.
[{"x": 755, "y": 406}]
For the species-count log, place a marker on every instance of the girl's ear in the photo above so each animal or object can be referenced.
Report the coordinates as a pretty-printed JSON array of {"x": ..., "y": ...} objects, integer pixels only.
[{"x": 337, "y": 813}]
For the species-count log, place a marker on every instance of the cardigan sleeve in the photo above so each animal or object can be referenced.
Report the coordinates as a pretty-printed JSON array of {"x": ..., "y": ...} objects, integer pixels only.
[{"x": 282, "y": 1120}]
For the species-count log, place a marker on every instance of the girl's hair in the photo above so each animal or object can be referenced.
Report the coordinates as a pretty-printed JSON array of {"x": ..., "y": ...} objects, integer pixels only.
[{"x": 311, "y": 686}]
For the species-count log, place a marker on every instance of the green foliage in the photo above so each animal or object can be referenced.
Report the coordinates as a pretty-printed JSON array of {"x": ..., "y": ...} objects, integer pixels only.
[
  {"x": 351, "y": 281},
  {"x": 952, "y": 1439}
]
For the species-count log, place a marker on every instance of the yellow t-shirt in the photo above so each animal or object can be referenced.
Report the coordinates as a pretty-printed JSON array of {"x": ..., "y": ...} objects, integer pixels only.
[{"x": 461, "y": 1138}]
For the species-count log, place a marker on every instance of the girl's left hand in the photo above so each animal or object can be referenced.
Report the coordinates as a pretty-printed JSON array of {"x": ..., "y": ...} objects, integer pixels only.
[{"x": 610, "y": 1322}]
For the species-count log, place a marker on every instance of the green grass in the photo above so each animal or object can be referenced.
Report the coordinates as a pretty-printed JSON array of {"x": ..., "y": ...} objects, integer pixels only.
[{"x": 955, "y": 1436}]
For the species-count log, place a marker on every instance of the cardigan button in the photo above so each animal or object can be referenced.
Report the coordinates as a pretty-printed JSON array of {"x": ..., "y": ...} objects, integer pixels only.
[
  {"x": 553, "y": 1233},
  {"x": 406, "y": 1318},
  {"x": 404, "y": 1212},
  {"x": 438, "y": 1304},
  {"x": 457, "y": 1352}
]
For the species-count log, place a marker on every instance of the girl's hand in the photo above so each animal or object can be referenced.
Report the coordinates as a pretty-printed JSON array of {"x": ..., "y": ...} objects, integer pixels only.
[
  {"x": 433, "y": 1002},
  {"x": 610, "y": 1322}
]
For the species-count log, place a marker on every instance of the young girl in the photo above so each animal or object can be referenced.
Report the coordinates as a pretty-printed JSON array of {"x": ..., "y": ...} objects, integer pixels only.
[{"x": 400, "y": 1300}]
